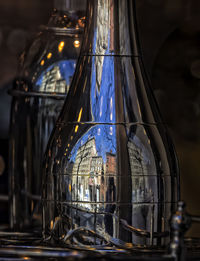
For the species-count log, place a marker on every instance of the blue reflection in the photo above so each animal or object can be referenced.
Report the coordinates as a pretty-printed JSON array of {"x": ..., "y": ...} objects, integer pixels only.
[
  {"x": 105, "y": 140},
  {"x": 103, "y": 92},
  {"x": 66, "y": 70}
]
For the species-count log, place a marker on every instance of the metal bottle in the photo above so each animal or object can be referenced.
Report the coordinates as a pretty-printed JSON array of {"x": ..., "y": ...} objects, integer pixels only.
[
  {"x": 46, "y": 69},
  {"x": 110, "y": 172}
]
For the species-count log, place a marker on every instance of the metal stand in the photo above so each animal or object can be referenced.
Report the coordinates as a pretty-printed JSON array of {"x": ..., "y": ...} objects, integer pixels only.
[{"x": 181, "y": 221}]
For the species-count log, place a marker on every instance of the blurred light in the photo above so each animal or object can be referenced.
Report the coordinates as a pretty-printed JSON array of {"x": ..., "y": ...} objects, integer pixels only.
[
  {"x": 76, "y": 128},
  {"x": 51, "y": 225},
  {"x": 42, "y": 63},
  {"x": 79, "y": 118},
  {"x": 80, "y": 114},
  {"x": 81, "y": 22},
  {"x": 49, "y": 55},
  {"x": 76, "y": 43},
  {"x": 61, "y": 46}
]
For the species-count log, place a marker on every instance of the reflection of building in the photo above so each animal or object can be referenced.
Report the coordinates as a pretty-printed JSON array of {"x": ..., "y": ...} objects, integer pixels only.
[
  {"x": 110, "y": 177},
  {"x": 86, "y": 173},
  {"x": 140, "y": 181},
  {"x": 53, "y": 82},
  {"x": 137, "y": 164},
  {"x": 96, "y": 171},
  {"x": 110, "y": 163}
]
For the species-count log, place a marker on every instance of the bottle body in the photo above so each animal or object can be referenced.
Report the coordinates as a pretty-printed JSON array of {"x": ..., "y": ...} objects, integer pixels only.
[
  {"x": 110, "y": 173},
  {"x": 38, "y": 96}
]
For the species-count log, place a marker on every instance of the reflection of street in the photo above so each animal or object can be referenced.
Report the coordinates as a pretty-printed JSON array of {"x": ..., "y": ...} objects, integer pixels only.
[
  {"x": 92, "y": 187},
  {"x": 90, "y": 176}
]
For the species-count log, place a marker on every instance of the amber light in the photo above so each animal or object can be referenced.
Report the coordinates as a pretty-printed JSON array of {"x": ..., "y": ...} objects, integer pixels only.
[
  {"x": 42, "y": 63},
  {"x": 49, "y": 55},
  {"x": 61, "y": 46},
  {"x": 76, "y": 43}
]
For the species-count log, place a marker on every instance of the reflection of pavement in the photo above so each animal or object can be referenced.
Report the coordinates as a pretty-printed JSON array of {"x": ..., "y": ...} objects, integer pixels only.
[
  {"x": 141, "y": 218},
  {"x": 87, "y": 219}
]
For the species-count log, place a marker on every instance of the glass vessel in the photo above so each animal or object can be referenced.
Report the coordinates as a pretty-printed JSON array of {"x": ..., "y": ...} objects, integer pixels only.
[
  {"x": 110, "y": 170},
  {"x": 45, "y": 73}
]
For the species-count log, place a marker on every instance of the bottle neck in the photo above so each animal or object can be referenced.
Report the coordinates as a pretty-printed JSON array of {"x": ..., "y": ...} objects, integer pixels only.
[
  {"x": 68, "y": 15},
  {"x": 111, "y": 28},
  {"x": 70, "y": 5}
]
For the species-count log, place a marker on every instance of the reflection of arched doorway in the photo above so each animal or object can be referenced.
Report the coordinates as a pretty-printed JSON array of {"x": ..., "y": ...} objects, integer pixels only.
[{"x": 176, "y": 83}]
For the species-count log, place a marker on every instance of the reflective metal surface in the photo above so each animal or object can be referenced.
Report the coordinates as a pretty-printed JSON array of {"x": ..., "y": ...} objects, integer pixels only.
[
  {"x": 46, "y": 70},
  {"x": 110, "y": 173}
]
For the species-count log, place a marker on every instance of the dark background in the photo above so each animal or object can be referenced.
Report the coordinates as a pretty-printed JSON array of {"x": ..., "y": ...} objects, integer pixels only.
[{"x": 170, "y": 37}]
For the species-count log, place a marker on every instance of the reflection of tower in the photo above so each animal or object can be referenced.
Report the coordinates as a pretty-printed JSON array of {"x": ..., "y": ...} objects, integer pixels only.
[
  {"x": 53, "y": 82},
  {"x": 96, "y": 171}
]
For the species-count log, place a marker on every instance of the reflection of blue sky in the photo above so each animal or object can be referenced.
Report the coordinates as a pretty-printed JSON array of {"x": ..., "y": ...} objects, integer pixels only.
[
  {"x": 103, "y": 92},
  {"x": 66, "y": 67},
  {"x": 103, "y": 96},
  {"x": 105, "y": 139},
  {"x": 102, "y": 105}
]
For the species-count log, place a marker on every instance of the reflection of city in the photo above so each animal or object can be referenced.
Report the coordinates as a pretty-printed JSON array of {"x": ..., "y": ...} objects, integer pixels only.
[
  {"x": 93, "y": 194},
  {"x": 92, "y": 181},
  {"x": 90, "y": 176},
  {"x": 90, "y": 184},
  {"x": 53, "y": 82},
  {"x": 139, "y": 169}
]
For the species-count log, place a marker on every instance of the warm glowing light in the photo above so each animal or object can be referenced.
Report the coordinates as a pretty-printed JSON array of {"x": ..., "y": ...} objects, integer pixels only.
[
  {"x": 81, "y": 22},
  {"x": 42, "y": 63},
  {"x": 26, "y": 258},
  {"x": 61, "y": 46},
  {"x": 76, "y": 128},
  {"x": 51, "y": 224},
  {"x": 77, "y": 43},
  {"x": 70, "y": 187},
  {"x": 71, "y": 137},
  {"x": 68, "y": 145},
  {"x": 49, "y": 55},
  {"x": 79, "y": 118},
  {"x": 80, "y": 114}
]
